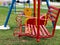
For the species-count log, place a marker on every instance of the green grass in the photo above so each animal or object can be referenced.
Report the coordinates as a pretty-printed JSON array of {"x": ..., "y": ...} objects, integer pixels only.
[{"x": 7, "y": 38}]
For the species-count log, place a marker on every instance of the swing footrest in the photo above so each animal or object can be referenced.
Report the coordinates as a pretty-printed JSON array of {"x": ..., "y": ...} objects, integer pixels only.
[{"x": 43, "y": 31}]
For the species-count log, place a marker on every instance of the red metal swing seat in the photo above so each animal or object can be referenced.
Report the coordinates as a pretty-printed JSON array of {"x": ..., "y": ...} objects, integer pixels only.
[
  {"x": 53, "y": 14},
  {"x": 31, "y": 24}
]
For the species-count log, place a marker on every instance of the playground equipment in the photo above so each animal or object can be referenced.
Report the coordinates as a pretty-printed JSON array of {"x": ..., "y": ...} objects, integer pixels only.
[
  {"x": 35, "y": 25},
  {"x": 24, "y": 4},
  {"x": 47, "y": 1},
  {"x": 5, "y": 26},
  {"x": 8, "y": 16}
]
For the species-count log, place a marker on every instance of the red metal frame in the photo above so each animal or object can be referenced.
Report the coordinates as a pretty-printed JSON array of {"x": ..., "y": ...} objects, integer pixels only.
[
  {"x": 34, "y": 8},
  {"x": 40, "y": 31},
  {"x": 38, "y": 21}
]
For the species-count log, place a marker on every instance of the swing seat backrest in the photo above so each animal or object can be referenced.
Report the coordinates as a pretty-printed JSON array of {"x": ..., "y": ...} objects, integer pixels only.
[{"x": 53, "y": 14}]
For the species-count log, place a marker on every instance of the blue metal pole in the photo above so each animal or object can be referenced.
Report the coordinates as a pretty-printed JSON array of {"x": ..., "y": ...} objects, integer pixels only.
[
  {"x": 10, "y": 10},
  {"x": 15, "y": 7},
  {"x": 29, "y": 3},
  {"x": 47, "y": 1},
  {"x": 24, "y": 4}
]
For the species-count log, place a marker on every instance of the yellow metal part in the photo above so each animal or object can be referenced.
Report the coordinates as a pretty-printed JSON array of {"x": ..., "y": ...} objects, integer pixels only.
[
  {"x": 45, "y": 22},
  {"x": 28, "y": 11}
]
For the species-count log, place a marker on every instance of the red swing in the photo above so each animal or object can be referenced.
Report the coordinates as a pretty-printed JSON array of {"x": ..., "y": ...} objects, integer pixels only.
[
  {"x": 35, "y": 26},
  {"x": 53, "y": 14}
]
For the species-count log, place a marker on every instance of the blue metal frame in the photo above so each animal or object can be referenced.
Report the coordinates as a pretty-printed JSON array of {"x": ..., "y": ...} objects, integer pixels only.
[
  {"x": 47, "y": 1},
  {"x": 15, "y": 7},
  {"x": 10, "y": 10},
  {"x": 24, "y": 4},
  {"x": 29, "y": 3}
]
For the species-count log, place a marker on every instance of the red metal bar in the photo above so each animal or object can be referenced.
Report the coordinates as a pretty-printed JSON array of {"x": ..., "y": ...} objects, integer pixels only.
[
  {"x": 32, "y": 30},
  {"x": 52, "y": 15},
  {"x": 42, "y": 30},
  {"x": 35, "y": 28},
  {"x": 46, "y": 31},
  {"x": 52, "y": 12},
  {"x": 29, "y": 28},
  {"x": 41, "y": 34},
  {"x": 34, "y": 8},
  {"x": 52, "y": 19},
  {"x": 55, "y": 23},
  {"x": 52, "y": 7},
  {"x": 38, "y": 21}
]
